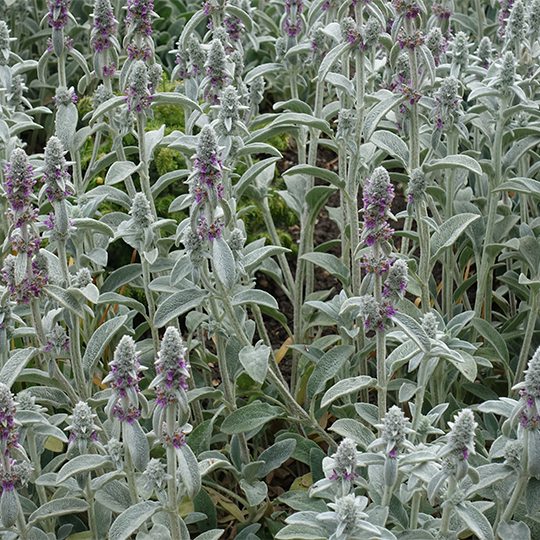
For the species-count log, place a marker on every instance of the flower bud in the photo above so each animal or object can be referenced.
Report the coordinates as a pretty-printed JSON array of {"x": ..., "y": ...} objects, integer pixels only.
[
  {"x": 430, "y": 325},
  {"x": 57, "y": 340},
  {"x": 508, "y": 71},
  {"x": 56, "y": 176}
]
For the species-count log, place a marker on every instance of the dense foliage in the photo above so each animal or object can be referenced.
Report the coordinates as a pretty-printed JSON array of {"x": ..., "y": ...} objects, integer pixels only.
[{"x": 160, "y": 161}]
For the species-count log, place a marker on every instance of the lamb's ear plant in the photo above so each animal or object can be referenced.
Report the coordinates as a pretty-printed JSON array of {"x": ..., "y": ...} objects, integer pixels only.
[{"x": 187, "y": 347}]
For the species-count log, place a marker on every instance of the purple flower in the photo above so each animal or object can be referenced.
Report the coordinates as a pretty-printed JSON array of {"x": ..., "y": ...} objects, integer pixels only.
[
  {"x": 138, "y": 93},
  {"x": 209, "y": 231},
  {"x": 172, "y": 370},
  {"x": 124, "y": 380},
  {"x": 103, "y": 27},
  {"x": 378, "y": 197},
  {"x": 55, "y": 173},
  {"x": 8, "y": 424},
  {"x": 139, "y": 29},
  {"x": 205, "y": 181},
  {"x": 58, "y": 13},
  {"x": 19, "y": 188}
]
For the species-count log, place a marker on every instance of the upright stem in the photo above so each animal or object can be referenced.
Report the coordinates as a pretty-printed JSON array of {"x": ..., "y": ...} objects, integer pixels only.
[
  {"x": 129, "y": 469},
  {"x": 447, "y": 510},
  {"x": 171, "y": 482},
  {"x": 448, "y": 270},
  {"x": 143, "y": 173},
  {"x": 76, "y": 359},
  {"x": 531, "y": 323},
  {"x": 150, "y": 300},
  {"x": 425, "y": 255},
  {"x": 382, "y": 384},
  {"x": 92, "y": 523},
  {"x": 415, "y": 509},
  {"x": 521, "y": 483},
  {"x": 414, "y": 131},
  {"x": 485, "y": 263}
]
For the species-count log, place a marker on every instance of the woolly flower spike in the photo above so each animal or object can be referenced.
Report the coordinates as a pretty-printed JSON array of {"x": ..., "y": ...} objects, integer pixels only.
[
  {"x": 64, "y": 96},
  {"x": 256, "y": 93},
  {"x": 156, "y": 476},
  {"x": 216, "y": 72},
  {"x": 515, "y": 29},
  {"x": 58, "y": 13},
  {"x": 460, "y": 443},
  {"x": 8, "y": 424},
  {"x": 194, "y": 247},
  {"x": 534, "y": 20},
  {"x": 101, "y": 95},
  {"x": 103, "y": 27},
  {"x": 396, "y": 282},
  {"x": 445, "y": 111},
  {"x": 236, "y": 241},
  {"x": 19, "y": 184},
  {"x": 205, "y": 181},
  {"x": 56, "y": 176},
  {"x": 32, "y": 285},
  {"x": 155, "y": 73},
  {"x": 508, "y": 71},
  {"x": 83, "y": 430},
  {"x": 460, "y": 51},
  {"x": 172, "y": 370},
  {"x": 378, "y": 197},
  {"x": 124, "y": 378},
  {"x": 406, "y": 8},
  {"x": 372, "y": 32},
  {"x": 436, "y": 43},
  {"x": 228, "y": 116},
  {"x": 430, "y": 325},
  {"x": 57, "y": 340},
  {"x": 527, "y": 410},
  {"x": 513, "y": 451},
  {"x": 484, "y": 51},
  {"x": 417, "y": 186},
  {"x": 4, "y": 44},
  {"x": 138, "y": 94},
  {"x": 350, "y": 519},
  {"x": 141, "y": 214},
  {"x": 82, "y": 278},
  {"x": 15, "y": 96},
  {"x": 139, "y": 28},
  {"x": 346, "y": 124},
  {"x": 344, "y": 466},
  {"x": 375, "y": 315},
  {"x": 394, "y": 432}
]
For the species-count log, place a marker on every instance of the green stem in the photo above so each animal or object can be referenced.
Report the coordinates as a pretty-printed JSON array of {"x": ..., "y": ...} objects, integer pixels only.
[
  {"x": 89, "y": 496},
  {"x": 150, "y": 300},
  {"x": 62, "y": 256},
  {"x": 22, "y": 529},
  {"x": 288, "y": 399},
  {"x": 448, "y": 270},
  {"x": 425, "y": 254},
  {"x": 521, "y": 483},
  {"x": 382, "y": 383},
  {"x": 482, "y": 293},
  {"x": 415, "y": 509},
  {"x": 129, "y": 469},
  {"x": 32, "y": 450},
  {"x": 447, "y": 510},
  {"x": 387, "y": 497},
  {"x": 143, "y": 172},
  {"x": 531, "y": 323},
  {"x": 76, "y": 359},
  {"x": 176, "y": 531}
]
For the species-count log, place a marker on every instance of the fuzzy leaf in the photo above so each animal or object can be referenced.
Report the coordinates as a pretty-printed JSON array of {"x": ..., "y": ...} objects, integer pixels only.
[
  {"x": 360, "y": 434},
  {"x": 16, "y": 363},
  {"x": 119, "y": 171},
  {"x": 392, "y": 144},
  {"x": 223, "y": 263},
  {"x": 136, "y": 441},
  {"x": 317, "y": 172},
  {"x": 65, "y": 299},
  {"x": 458, "y": 161},
  {"x": 475, "y": 521},
  {"x": 81, "y": 464},
  {"x": 255, "y": 296},
  {"x": 378, "y": 112},
  {"x": 413, "y": 330},
  {"x": 327, "y": 368},
  {"x": 345, "y": 387},
  {"x": 189, "y": 470},
  {"x": 255, "y": 361},
  {"x": 331, "y": 264},
  {"x": 449, "y": 232},
  {"x": 99, "y": 341},
  {"x": 129, "y": 521},
  {"x": 178, "y": 304},
  {"x": 57, "y": 508},
  {"x": 275, "y": 456},
  {"x": 122, "y": 276},
  {"x": 250, "y": 417}
]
